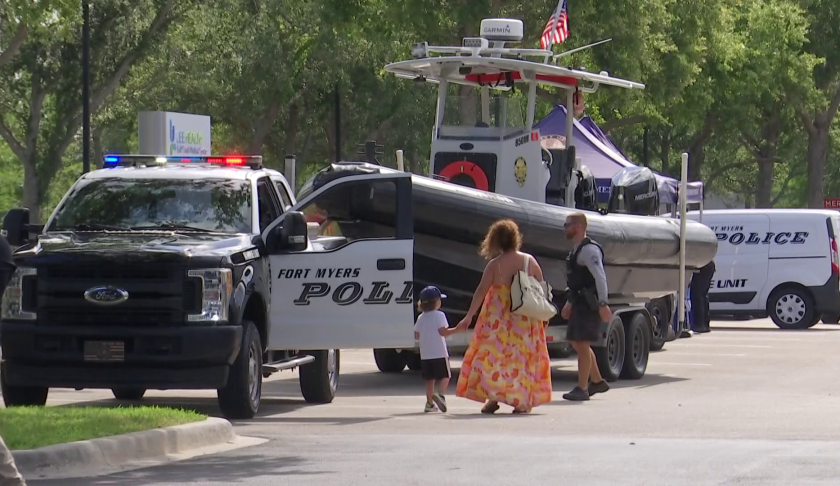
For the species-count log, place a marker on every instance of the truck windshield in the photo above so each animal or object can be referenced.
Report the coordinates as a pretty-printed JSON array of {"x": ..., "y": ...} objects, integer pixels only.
[{"x": 124, "y": 204}]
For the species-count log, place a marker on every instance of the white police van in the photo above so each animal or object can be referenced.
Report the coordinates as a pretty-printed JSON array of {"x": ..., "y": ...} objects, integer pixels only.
[{"x": 781, "y": 263}]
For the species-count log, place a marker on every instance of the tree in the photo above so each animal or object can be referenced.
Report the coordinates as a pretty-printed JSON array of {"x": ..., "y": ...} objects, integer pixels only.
[
  {"x": 40, "y": 113},
  {"x": 818, "y": 112}
]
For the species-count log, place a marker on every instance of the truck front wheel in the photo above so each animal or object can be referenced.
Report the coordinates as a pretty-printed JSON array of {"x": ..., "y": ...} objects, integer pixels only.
[
  {"x": 319, "y": 379},
  {"x": 240, "y": 398},
  {"x": 22, "y": 396},
  {"x": 389, "y": 360}
]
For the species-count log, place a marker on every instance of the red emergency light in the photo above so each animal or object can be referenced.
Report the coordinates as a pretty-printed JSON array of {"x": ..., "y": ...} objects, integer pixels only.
[{"x": 252, "y": 161}]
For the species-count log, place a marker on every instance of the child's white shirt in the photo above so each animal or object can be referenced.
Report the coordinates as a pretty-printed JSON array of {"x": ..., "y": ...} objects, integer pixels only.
[{"x": 432, "y": 344}]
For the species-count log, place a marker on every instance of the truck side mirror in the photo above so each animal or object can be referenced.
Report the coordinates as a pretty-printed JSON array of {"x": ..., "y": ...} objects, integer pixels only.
[
  {"x": 291, "y": 236},
  {"x": 16, "y": 226}
]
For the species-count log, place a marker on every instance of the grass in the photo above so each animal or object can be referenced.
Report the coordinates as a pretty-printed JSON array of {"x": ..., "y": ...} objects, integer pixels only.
[{"x": 33, "y": 427}]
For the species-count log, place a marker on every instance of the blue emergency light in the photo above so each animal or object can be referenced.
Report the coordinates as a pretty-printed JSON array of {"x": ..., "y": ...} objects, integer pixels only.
[{"x": 131, "y": 160}]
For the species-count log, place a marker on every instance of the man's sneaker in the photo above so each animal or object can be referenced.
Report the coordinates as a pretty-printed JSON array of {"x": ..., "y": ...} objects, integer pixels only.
[
  {"x": 430, "y": 407},
  {"x": 577, "y": 395},
  {"x": 599, "y": 387},
  {"x": 440, "y": 402}
]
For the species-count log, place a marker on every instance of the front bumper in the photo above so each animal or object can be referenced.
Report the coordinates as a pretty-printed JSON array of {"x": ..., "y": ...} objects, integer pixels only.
[
  {"x": 827, "y": 296},
  {"x": 183, "y": 357}
]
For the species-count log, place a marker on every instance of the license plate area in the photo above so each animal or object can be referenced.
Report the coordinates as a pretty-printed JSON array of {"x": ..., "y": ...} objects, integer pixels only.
[{"x": 105, "y": 351}]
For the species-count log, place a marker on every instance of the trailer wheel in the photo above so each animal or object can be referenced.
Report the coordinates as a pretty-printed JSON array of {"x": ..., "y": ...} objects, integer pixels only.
[
  {"x": 831, "y": 318},
  {"x": 659, "y": 323},
  {"x": 791, "y": 308},
  {"x": 319, "y": 379},
  {"x": 389, "y": 360},
  {"x": 241, "y": 396},
  {"x": 637, "y": 347},
  {"x": 412, "y": 360},
  {"x": 22, "y": 396},
  {"x": 131, "y": 394},
  {"x": 610, "y": 357}
]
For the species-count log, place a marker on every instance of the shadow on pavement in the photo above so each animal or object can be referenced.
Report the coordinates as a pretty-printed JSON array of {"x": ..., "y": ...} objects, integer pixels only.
[{"x": 219, "y": 469}]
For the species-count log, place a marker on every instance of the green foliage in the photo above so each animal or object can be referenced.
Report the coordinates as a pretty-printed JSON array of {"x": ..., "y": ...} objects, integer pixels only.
[{"x": 730, "y": 81}]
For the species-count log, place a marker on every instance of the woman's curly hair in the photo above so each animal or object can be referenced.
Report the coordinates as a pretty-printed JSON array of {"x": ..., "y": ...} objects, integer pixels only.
[{"x": 503, "y": 236}]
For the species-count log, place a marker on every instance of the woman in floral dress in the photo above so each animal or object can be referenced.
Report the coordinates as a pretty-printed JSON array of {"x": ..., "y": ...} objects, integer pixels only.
[{"x": 507, "y": 359}]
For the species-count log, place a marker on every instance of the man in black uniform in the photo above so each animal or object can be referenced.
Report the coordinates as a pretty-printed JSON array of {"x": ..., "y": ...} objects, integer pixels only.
[
  {"x": 586, "y": 305},
  {"x": 699, "y": 291},
  {"x": 9, "y": 473}
]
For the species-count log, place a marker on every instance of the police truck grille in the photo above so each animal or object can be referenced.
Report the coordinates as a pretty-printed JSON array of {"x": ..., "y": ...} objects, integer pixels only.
[{"x": 157, "y": 296}]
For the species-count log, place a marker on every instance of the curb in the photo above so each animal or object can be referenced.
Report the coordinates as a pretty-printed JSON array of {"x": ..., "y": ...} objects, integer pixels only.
[{"x": 119, "y": 450}]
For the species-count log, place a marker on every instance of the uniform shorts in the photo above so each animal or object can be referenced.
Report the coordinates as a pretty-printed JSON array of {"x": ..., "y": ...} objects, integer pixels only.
[
  {"x": 584, "y": 324},
  {"x": 435, "y": 369}
]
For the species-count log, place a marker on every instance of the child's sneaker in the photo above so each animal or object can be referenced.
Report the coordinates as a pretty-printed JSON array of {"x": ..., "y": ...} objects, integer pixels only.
[
  {"x": 440, "y": 402},
  {"x": 430, "y": 407}
]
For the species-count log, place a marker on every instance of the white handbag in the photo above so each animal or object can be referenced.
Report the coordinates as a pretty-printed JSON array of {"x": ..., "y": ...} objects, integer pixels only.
[{"x": 530, "y": 297}]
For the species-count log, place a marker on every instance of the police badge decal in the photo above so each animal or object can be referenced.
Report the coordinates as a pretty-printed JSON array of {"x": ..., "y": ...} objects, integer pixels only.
[{"x": 520, "y": 171}]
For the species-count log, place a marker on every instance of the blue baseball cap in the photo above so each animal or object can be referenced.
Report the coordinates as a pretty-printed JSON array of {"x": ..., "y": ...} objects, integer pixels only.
[{"x": 431, "y": 293}]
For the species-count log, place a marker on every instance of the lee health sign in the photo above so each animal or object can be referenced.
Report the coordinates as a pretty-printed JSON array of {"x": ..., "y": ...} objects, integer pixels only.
[{"x": 169, "y": 133}]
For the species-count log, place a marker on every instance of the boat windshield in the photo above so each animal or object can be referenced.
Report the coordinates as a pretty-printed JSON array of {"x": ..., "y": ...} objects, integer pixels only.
[{"x": 505, "y": 111}]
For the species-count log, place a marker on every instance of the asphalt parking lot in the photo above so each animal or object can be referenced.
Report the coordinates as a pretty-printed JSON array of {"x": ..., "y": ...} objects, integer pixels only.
[{"x": 745, "y": 404}]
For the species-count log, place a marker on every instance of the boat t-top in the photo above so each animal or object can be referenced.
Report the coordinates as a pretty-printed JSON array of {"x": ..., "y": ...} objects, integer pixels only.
[{"x": 500, "y": 152}]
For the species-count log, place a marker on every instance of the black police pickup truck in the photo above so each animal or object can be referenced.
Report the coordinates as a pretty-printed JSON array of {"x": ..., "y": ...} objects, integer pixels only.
[{"x": 167, "y": 272}]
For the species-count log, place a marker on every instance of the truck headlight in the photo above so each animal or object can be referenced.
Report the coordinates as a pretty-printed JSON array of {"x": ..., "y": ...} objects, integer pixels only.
[
  {"x": 12, "y": 305},
  {"x": 216, "y": 286}
]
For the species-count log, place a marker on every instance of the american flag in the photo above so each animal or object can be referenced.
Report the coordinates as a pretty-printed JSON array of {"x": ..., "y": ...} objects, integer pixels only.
[{"x": 557, "y": 28}]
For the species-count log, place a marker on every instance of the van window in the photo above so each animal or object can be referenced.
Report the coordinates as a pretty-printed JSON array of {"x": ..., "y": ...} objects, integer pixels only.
[{"x": 835, "y": 225}]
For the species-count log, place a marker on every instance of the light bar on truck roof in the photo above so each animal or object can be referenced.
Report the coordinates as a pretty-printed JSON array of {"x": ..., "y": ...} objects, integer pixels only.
[{"x": 129, "y": 160}]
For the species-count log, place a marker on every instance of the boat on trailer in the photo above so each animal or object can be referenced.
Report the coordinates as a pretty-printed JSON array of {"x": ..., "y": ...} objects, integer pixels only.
[{"x": 489, "y": 163}]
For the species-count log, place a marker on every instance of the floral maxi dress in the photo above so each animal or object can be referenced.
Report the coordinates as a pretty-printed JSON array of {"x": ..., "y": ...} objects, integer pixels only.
[{"x": 507, "y": 359}]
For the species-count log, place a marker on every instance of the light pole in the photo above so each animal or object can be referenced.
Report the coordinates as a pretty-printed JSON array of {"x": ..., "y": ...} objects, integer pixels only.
[{"x": 85, "y": 87}]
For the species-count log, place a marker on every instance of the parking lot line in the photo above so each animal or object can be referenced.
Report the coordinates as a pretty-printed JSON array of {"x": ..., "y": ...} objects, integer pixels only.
[
  {"x": 731, "y": 345},
  {"x": 679, "y": 352},
  {"x": 668, "y": 363}
]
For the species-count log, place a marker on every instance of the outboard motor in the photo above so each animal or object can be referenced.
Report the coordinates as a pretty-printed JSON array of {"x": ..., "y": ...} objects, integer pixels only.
[
  {"x": 634, "y": 191},
  {"x": 586, "y": 192}
]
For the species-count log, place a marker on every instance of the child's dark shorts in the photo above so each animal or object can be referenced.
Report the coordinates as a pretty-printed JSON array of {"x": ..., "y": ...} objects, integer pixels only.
[{"x": 435, "y": 369}]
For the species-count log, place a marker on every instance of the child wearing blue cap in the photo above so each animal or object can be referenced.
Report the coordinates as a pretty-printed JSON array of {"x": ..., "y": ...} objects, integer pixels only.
[{"x": 431, "y": 330}]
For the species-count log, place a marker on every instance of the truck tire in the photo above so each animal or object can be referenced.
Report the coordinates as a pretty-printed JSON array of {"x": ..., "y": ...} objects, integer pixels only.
[
  {"x": 791, "y": 308},
  {"x": 560, "y": 351},
  {"x": 389, "y": 360},
  {"x": 240, "y": 398},
  {"x": 610, "y": 357},
  {"x": 659, "y": 323},
  {"x": 830, "y": 318},
  {"x": 319, "y": 379},
  {"x": 22, "y": 396},
  {"x": 132, "y": 394},
  {"x": 412, "y": 360},
  {"x": 637, "y": 347}
]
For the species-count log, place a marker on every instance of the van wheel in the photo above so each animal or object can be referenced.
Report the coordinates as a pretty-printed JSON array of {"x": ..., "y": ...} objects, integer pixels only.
[
  {"x": 659, "y": 324},
  {"x": 22, "y": 396},
  {"x": 240, "y": 398},
  {"x": 319, "y": 379},
  {"x": 560, "y": 351},
  {"x": 637, "y": 347},
  {"x": 791, "y": 308},
  {"x": 389, "y": 360},
  {"x": 610, "y": 357},
  {"x": 831, "y": 318}
]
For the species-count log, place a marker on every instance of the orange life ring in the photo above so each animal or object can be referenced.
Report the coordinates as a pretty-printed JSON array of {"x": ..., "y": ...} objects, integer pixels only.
[{"x": 465, "y": 167}]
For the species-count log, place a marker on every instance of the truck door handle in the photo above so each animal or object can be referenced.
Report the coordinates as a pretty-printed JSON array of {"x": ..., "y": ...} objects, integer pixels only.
[{"x": 390, "y": 264}]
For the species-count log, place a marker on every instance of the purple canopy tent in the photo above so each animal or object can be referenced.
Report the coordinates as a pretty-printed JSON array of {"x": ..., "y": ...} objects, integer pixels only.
[{"x": 604, "y": 159}]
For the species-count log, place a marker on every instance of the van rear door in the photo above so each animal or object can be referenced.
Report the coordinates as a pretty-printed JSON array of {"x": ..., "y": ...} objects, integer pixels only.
[{"x": 740, "y": 263}]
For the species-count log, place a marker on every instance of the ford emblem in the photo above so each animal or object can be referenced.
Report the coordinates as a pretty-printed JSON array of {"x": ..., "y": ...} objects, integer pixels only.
[{"x": 106, "y": 295}]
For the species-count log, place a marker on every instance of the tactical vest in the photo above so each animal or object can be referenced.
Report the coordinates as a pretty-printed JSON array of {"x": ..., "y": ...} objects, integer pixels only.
[{"x": 578, "y": 277}]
